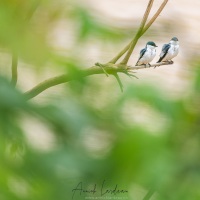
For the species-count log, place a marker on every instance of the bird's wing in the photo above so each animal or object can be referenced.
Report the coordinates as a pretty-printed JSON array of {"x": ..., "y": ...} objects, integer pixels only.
[
  {"x": 142, "y": 52},
  {"x": 164, "y": 51}
]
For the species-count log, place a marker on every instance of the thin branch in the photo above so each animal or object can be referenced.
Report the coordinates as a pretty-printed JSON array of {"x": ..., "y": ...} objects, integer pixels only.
[
  {"x": 120, "y": 54},
  {"x": 123, "y": 51},
  {"x": 134, "y": 41},
  {"x": 139, "y": 32},
  {"x": 14, "y": 54},
  {"x": 66, "y": 78},
  {"x": 14, "y": 68},
  {"x": 110, "y": 69}
]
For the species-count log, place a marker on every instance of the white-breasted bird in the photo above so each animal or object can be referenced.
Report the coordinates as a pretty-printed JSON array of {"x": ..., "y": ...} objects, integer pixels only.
[
  {"x": 147, "y": 54},
  {"x": 169, "y": 51}
]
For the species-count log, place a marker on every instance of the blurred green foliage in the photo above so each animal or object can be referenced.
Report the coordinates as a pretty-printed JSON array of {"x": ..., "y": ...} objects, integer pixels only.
[{"x": 96, "y": 136}]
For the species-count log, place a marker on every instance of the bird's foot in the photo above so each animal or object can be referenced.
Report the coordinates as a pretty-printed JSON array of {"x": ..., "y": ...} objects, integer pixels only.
[
  {"x": 146, "y": 65},
  {"x": 171, "y": 62}
]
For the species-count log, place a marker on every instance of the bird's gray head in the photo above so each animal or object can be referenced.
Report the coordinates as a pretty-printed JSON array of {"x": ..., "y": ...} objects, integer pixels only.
[
  {"x": 174, "y": 41},
  {"x": 150, "y": 43}
]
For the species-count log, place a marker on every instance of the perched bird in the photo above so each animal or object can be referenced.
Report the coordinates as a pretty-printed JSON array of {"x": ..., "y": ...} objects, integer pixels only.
[
  {"x": 147, "y": 54},
  {"x": 169, "y": 51}
]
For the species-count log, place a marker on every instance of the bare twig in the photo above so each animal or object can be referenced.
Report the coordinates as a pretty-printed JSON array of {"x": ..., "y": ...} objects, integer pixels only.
[
  {"x": 153, "y": 65},
  {"x": 123, "y": 51},
  {"x": 110, "y": 69},
  {"x": 14, "y": 68}
]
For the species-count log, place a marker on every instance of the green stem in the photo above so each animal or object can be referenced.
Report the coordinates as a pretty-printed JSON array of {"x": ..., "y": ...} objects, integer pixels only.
[
  {"x": 139, "y": 32},
  {"x": 66, "y": 78},
  {"x": 149, "y": 194},
  {"x": 14, "y": 68}
]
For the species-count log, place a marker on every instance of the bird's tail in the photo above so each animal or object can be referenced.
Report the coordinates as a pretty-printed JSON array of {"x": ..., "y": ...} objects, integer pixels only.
[
  {"x": 160, "y": 59},
  {"x": 137, "y": 63}
]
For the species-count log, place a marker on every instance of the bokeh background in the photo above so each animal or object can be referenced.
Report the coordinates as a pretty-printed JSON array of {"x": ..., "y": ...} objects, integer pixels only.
[{"x": 145, "y": 140}]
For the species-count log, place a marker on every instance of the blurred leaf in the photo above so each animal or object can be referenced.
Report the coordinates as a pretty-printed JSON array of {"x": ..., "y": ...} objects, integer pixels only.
[{"x": 89, "y": 26}]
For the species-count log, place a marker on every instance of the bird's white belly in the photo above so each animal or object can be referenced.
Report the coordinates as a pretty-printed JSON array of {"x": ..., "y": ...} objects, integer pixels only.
[
  {"x": 148, "y": 57},
  {"x": 173, "y": 52}
]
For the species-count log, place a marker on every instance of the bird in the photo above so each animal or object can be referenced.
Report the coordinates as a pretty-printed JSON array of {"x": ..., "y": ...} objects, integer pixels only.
[
  {"x": 147, "y": 54},
  {"x": 169, "y": 51}
]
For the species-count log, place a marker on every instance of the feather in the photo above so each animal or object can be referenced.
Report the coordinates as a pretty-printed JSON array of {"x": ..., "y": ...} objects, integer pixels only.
[
  {"x": 142, "y": 52},
  {"x": 164, "y": 51}
]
